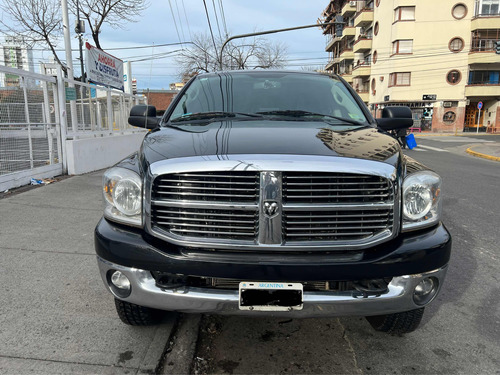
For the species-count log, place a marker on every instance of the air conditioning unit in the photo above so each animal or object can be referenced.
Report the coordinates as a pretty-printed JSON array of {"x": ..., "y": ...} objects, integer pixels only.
[
  {"x": 352, "y": 3},
  {"x": 447, "y": 104}
]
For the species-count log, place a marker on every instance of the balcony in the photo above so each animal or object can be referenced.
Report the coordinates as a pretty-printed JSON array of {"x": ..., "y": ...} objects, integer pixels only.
[
  {"x": 348, "y": 31},
  {"x": 482, "y": 91},
  {"x": 363, "y": 44},
  {"x": 348, "y": 9},
  {"x": 364, "y": 18},
  {"x": 345, "y": 55},
  {"x": 485, "y": 22},
  {"x": 329, "y": 65},
  {"x": 331, "y": 42},
  {"x": 347, "y": 77},
  {"x": 483, "y": 57},
  {"x": 362, "y": 70},
  {"x": 364, "y": 95}
]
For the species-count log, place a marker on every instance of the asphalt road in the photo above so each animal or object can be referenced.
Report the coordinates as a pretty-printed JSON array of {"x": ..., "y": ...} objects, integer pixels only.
[{"x": 460, "y": 331}]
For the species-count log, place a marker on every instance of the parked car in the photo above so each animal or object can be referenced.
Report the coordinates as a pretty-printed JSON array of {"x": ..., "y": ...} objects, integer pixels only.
[{"x": 272, "y": 193}]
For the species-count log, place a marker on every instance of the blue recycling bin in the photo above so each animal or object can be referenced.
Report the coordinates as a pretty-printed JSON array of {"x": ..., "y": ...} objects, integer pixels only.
[{"x": 410, "y": 141}]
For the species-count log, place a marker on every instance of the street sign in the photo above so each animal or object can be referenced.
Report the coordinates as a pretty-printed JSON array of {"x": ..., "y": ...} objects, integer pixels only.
[
  {"x": 70, "y": 93},
  {"x": 479, "y": 105}
]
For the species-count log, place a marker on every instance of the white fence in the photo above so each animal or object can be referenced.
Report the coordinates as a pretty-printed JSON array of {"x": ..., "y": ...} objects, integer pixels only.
[{"x": 38, "y": 134}]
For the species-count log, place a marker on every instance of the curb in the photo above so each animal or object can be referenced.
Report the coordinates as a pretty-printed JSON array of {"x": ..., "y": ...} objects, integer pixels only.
[{"x": 484, "y": 156}]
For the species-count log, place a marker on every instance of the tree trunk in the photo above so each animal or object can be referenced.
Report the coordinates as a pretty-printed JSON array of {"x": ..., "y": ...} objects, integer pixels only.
[{"x": 95, "y": 36}]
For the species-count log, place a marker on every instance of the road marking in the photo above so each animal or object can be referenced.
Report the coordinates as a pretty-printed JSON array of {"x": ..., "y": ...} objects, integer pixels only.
[
  {"x": 418, "y": 149},
  {"x": 432, "y": 148},
  {"x": 452, "y": 139}
]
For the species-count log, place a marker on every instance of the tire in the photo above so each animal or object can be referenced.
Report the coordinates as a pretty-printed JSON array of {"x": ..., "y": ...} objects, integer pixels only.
[
  {"x": 397, "y": 324},
  {"x": 136, "y": 315}
]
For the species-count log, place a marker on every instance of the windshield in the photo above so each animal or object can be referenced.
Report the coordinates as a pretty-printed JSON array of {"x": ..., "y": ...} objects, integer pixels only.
[{"x": 244, "y": 96}]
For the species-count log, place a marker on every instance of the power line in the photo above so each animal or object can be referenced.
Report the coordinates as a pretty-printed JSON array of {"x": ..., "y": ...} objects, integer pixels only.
[
  {"x": 216, "y": 19},
  {"x": 180, "y": 19},
  {"x": 210, "y": 26},
  {"x": 173, "y": 17},
  {"x": 223, "y": 18},
  {"x": 187, "y": 21}
]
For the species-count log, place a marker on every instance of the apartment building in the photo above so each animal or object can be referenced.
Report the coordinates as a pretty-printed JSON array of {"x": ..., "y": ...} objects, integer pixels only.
[{"x": 437, "y": 57}]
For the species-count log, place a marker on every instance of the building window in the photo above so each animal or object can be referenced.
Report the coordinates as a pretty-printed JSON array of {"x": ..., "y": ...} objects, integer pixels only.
[
  {"x": 456, "y": 44},
  {"x": 375, "y": 56},
  {"x": 484, "y": 39},
  {"x": 404, "y": 14},
  {"x": 453, "y": 77},
  {"x": 402, "y": 46},
  {"x": 459, "y": 11},
  {"x": 489, "y": 8},
  {"x": 377, "y": 3},
  {"x": 375, "y": 29},
  {"x": 449, "y": 117},
  {"x": 374, "y": 83},
  {"x": 399, "y": 79},
  {"x": 484, "y": 77}
]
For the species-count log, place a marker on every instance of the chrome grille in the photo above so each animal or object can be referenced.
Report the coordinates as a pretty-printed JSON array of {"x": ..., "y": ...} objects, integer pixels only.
[
  {"x": 316, "y": 209},
  {"x": 208, "y": 187},
  {"x": 317, "y": 188},
  {"x": 335, "y": 225}
]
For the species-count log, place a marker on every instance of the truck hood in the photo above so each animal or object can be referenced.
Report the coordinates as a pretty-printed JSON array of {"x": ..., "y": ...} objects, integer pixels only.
[{"x": 269, "y": 137}]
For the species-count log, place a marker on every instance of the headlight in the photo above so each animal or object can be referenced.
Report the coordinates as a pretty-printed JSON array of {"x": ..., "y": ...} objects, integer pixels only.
[
  {"x": 122, "y": 190},
  {"x": 421, "y": 200}
]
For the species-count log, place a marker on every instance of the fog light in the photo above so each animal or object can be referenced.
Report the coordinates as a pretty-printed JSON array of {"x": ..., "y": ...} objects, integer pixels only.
[
  {"x": 425, "y": 290},
  {"x": 119, "y": 283},
  {"x": 120, "y": 280}
]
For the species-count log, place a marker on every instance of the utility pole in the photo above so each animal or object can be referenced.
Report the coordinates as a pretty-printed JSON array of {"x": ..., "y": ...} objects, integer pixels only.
[{"x": 80, "y": 29}]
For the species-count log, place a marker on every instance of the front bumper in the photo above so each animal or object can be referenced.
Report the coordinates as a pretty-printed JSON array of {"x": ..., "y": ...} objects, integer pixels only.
[
  {"x": 145, "y": 292},
  {"x": 407, "y": 259}
]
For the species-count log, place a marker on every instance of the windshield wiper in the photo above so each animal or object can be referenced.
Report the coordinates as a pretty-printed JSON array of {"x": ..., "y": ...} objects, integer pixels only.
[
  {"x": 211, "y": 115},
  {"x": 299, "y": 113}
]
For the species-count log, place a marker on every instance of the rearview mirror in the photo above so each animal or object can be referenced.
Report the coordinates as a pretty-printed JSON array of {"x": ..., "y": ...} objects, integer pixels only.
[
  {"x": 395, "y": 118},
  {"x": 143, "y": 116}
]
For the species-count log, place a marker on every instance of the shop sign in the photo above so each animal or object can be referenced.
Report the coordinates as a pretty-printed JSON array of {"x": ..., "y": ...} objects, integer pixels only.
[
  {"x": 429, "y": 97},
  {"x": 104, "y": 69}
]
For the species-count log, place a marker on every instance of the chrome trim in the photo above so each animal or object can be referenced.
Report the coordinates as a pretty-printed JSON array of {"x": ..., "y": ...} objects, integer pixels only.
[
  {"x": 271, "y": 210},
  {"x": 266, "y": 164},
  {"x": 398, "y": 298}
]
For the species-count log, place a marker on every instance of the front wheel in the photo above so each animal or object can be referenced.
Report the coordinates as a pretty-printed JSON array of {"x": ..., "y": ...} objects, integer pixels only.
[
  {"x": 397, "y": 324},
  {"x": 136, "y": 315}
]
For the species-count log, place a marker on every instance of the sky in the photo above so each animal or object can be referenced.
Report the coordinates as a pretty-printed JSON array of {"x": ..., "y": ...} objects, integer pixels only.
[{"x": 157, "y": 26}]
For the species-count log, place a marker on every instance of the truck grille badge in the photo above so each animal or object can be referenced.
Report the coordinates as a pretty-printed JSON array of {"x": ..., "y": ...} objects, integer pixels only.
[{"x": 271, "y": 208}]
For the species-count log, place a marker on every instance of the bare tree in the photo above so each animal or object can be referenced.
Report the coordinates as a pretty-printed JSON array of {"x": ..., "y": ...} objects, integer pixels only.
[
  {"x": 203, "y": 55},
  {"x": 37, "y": 21},
  {"x": 115, "y": 13}
]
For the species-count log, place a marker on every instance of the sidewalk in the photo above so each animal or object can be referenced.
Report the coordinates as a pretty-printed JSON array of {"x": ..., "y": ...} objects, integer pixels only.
[
  {"x": 486, "y": 151},
  {"x": 56, "y": 317}
]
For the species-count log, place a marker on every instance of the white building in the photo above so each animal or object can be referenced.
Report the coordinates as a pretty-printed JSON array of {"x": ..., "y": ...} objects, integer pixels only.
[{"x": 15, "y": 53}]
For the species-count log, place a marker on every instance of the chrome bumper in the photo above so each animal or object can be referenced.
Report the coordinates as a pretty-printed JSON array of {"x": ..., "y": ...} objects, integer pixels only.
[{"x": 144, "y": 292}]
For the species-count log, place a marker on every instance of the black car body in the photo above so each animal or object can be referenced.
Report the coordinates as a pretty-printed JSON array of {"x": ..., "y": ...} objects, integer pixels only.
[{"x": 272, "y": 193}]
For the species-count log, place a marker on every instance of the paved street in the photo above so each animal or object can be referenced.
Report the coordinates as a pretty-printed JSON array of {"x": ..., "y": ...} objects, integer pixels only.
[{"x": 460, "y": 332}]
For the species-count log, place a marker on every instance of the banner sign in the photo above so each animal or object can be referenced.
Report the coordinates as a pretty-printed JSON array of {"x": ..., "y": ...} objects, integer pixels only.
[{"x": 104, "y": 69}]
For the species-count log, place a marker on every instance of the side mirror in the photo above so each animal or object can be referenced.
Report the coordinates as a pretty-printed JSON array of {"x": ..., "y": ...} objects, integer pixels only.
[
  {"x": 143, "y": 116},
  {"x": 395, "y": 118}
]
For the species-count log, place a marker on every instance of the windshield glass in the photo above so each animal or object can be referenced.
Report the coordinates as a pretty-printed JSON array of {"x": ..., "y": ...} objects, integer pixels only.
[{"x": 274, "y": 95}]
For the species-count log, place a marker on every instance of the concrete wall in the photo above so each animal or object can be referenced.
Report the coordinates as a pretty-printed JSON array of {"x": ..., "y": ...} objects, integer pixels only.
[{"x": 91, "y": 154}]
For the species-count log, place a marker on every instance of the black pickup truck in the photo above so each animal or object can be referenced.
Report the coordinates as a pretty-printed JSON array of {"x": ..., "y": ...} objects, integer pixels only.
[{"x": 272, "y": 193}]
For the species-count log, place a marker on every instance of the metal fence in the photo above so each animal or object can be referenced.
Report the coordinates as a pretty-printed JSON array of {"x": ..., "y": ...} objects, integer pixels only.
[
  {"x": 30, "y": 143},
  {"x": 34, "y": 127},
  {"x": 98, "y": 109}
]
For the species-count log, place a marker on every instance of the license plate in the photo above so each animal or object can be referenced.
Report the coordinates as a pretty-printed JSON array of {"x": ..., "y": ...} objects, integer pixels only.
[{"x": 270, "y": 296}]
